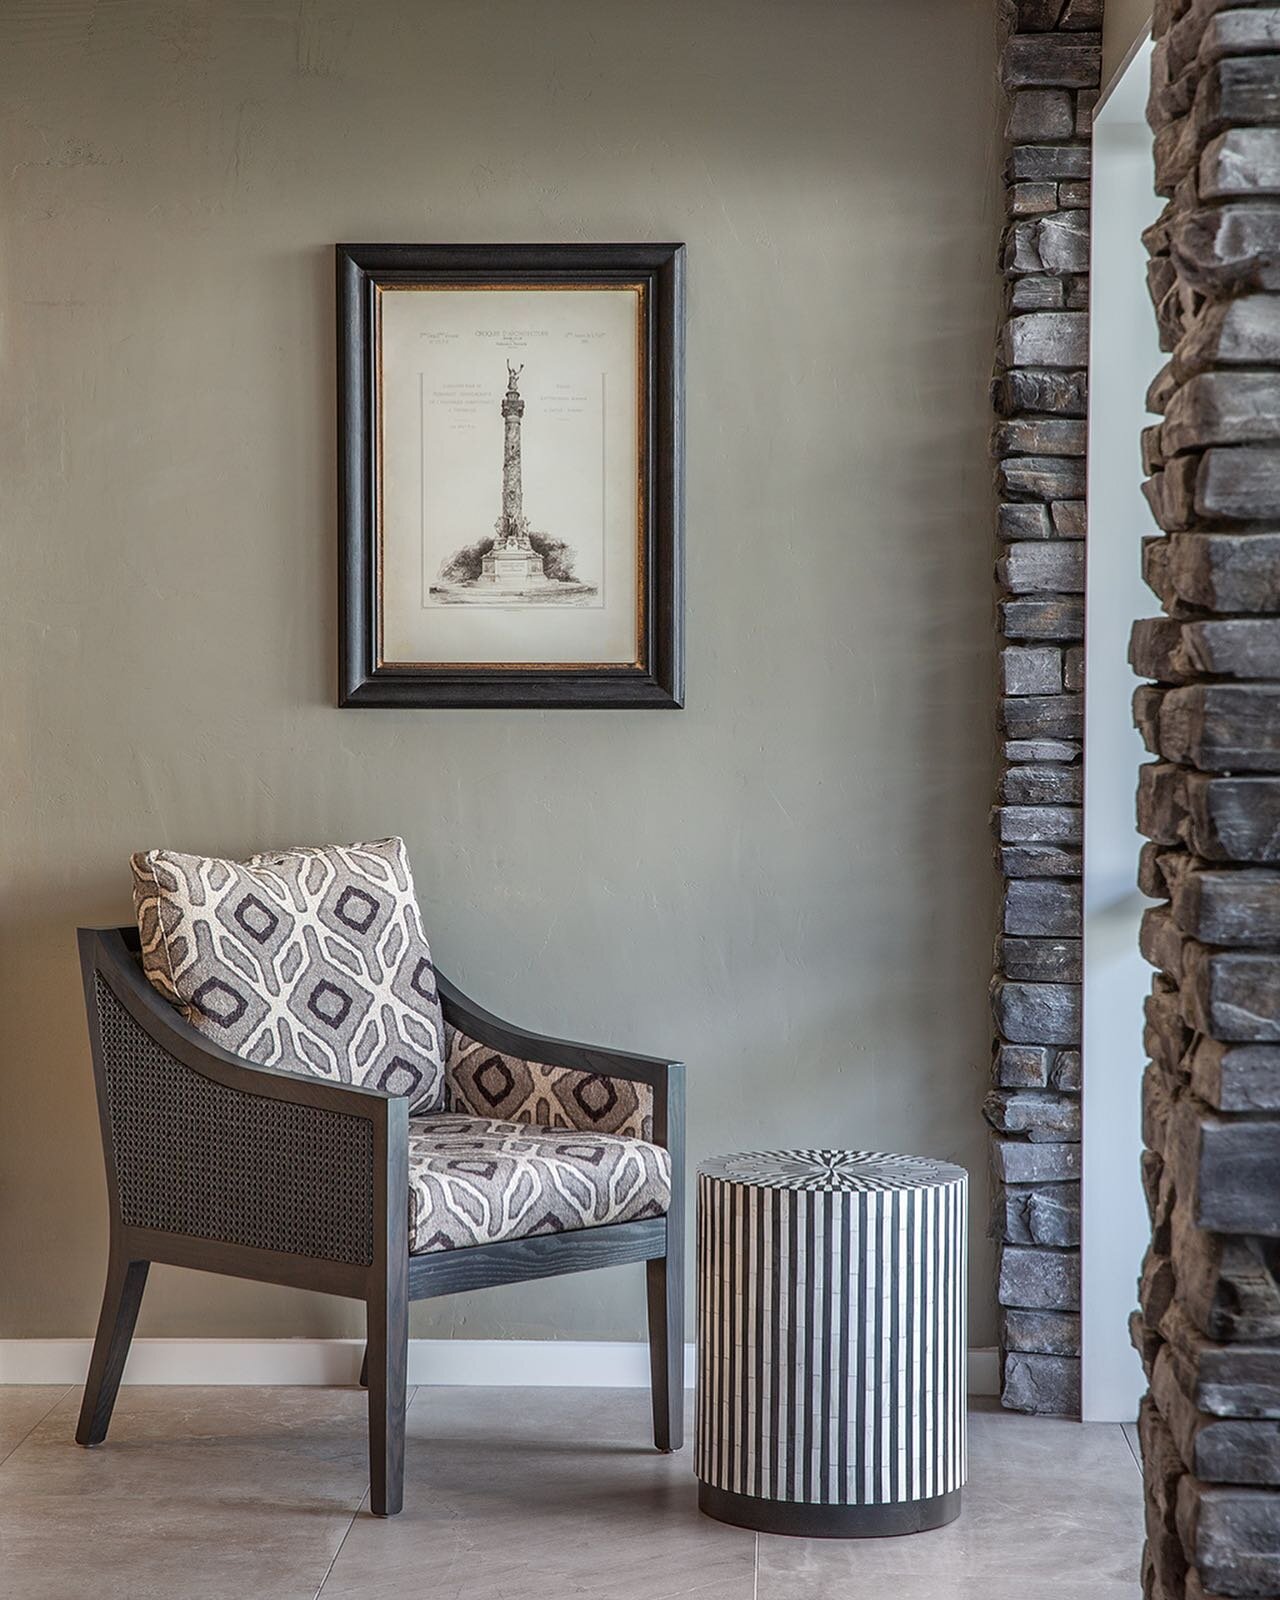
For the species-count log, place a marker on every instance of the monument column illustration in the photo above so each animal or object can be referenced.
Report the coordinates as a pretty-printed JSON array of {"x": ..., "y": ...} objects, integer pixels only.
[{"x": 513, "y": 563}]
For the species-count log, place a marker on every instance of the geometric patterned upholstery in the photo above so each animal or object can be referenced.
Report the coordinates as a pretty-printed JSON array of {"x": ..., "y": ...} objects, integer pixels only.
[
  {"x": 474, "y": 1180},
  {"x": 484, "y": 1082},
  {"x": 309, "y": 959}
]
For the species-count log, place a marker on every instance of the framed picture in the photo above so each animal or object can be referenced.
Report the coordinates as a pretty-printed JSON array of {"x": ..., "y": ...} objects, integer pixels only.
[{"x": 510, "y": 496}]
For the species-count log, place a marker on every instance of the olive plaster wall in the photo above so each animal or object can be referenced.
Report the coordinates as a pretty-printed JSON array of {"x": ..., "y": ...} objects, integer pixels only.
[{"x": 789, "y": 883}]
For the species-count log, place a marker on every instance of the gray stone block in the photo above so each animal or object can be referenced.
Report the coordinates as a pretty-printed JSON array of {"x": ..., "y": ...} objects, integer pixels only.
[
  {"x": 1041, "y": 750},
  {"x": 1221, "y": 408},
  {"x": 1232, "y": 647},
  {"x": 1068, "y": 518},
  {"x": 1066, "y": 1074},
  {"x": 1039, "y": 1116},
  {"x": 1037, "y": 1215},
  {"x": 1017, "y": 521},
  {"x": 1045, "y": 477},
  {"x": 1231, "y": 819},
  {"x": 1227, "y": 1285},
  {"x": 1241, "y": 907},
  {"x": 1037, "y": 1013},
  {"x": 1221, "y": 726},
  {"x": 1240, "y": 332},
  {"x": 1054, "y": 716},
  {"x": 1039, "y": 861},
  {"x": 1047, "y": 339},
  {"x": 1217, "y": 1449},
  {"x": 1018, "y": 1161},
  {"x": 1238, "y": 483},
  {"x": 1043, "y": 389},
  {"x": 1228, "y": 248},
  {"x": 1044, "y": 783},
  {"x": 1226, "y": 1168},
  {"x": 1242, "y": 163},
  {"x": 1039, "y": 566},
  {"x": 1033, "y": 60},
  {"x": 1224, "y": 1380},
  {"x": 1031, "y": 669},
  {"x": 1039, "y": 960},
  {"x": 1022, "y": 1066},
  {"x": 1043, "y": 617},
  {"x": 1040, "y": 436},
  {"x": 1040, "y": 1280},
  {"x": 1039, "y": 824},
  {"x": 1033, "y": 163},
  {"x": 1236, "y": 1077},
  {"x": 1047, "y": 1385},
  {"x": 1042, "y": 909},
  {"x": 1036, "y": 292},
  {"x": 1032, "y": 200},
  {"x": 1224, "y": 571},
  {"x": 1040, "y": 114},
  {"x": 1046, "y": 240},
  {"x": 1044, "y": 1333},
  {"x": 1231, "y": 1536}
]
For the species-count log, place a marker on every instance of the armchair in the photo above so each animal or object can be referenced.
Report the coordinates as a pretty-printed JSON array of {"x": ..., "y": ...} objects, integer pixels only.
[{"x": 222, "y": 1164}]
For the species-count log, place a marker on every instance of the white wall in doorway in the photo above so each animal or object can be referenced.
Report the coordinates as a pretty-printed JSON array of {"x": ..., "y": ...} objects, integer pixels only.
[{"x": 1124, "y": 356}]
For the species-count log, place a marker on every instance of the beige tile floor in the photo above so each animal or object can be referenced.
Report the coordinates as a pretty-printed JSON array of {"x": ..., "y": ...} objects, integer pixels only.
[{"x": 511, "y": 1494}]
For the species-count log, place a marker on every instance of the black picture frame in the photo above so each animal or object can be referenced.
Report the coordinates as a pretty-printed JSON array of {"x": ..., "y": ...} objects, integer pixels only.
[{"x": 657, "y": 679}]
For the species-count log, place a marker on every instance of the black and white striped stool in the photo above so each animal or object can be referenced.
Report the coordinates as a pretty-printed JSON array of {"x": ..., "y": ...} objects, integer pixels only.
[{"x": 831, "y": 1342}]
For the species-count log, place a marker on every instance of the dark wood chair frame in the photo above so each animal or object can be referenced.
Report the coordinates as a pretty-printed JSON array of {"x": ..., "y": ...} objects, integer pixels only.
[{"x": 293, "y": 1224}]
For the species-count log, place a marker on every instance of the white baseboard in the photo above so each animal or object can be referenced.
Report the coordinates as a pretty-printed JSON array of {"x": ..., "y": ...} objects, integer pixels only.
[{"x": 487, "y": 1363}]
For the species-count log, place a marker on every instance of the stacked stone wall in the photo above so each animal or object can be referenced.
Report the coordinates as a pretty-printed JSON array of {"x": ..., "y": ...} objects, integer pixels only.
[
  {"x": 1050, "y": 68},
  {"x": 1209, "y": 804}
]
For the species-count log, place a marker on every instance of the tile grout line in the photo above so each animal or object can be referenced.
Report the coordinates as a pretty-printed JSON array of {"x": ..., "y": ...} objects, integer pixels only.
[
  {"x": 328, "y": 1572},
  {"x": 1132, "y": 1451},
  {"x": 44, "y": 1415},
  {"x": 755, "y": 1571}
]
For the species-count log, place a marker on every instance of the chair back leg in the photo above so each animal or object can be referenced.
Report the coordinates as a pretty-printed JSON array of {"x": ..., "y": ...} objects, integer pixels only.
[
  {"x": 664, "y": 1281},
  {"x": 120, "y": 1302},
  {"x": 386, "y": 1360}
]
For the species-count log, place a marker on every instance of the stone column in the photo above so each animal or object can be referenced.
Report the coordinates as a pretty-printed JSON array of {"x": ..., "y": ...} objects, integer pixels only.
[
  {"x": 1209, "y": 803},
  {"x": 1050, "y": 68},
  {"x": 513, "y": 529}
]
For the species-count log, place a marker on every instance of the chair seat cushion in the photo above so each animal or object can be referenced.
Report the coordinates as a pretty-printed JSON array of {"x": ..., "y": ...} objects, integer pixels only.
[{"x": 474, "y": 1180}]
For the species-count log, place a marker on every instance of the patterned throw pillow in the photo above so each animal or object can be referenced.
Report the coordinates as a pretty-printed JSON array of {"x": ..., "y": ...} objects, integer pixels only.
[
  {"x": 313, "y": 960},
  {"x": 486, "y": 1083}
]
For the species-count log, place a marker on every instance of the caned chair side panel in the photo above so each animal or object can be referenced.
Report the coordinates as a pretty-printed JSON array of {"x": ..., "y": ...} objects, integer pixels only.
[{"x": 197, "y": 1157}]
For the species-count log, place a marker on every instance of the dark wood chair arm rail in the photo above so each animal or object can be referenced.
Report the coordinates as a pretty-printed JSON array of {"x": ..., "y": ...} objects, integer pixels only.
[{"x": 665, "y": 1078}]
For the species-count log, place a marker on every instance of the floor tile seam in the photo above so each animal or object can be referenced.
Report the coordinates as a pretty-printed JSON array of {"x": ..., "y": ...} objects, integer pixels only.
[
  {"x": 43, "y": 1417},
  {"x": 410, "y": 1396}
]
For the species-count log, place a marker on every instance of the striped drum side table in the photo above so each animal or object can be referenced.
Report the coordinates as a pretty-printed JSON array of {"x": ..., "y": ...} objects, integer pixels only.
[{"x": 831, "y": 1342}]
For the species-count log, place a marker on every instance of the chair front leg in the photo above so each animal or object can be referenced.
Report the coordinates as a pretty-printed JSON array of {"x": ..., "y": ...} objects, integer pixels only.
[
  {"x": 120, "y": 1302},
  {"x": 387, "y": 1359},
  {"x": 665, "y": 1286}
]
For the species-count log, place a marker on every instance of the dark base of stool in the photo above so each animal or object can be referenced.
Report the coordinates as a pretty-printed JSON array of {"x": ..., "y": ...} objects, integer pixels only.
[{"x": 807, "y": 1520}]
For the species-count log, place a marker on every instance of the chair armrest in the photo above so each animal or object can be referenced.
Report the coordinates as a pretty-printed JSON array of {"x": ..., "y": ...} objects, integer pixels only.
[
  {"x": 663, "y": 1080},
  {"x": 202, "y": 1143}
]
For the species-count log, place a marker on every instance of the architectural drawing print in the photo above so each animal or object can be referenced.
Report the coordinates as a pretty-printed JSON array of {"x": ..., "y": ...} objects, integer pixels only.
[{"x": 517, "y": 564}]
